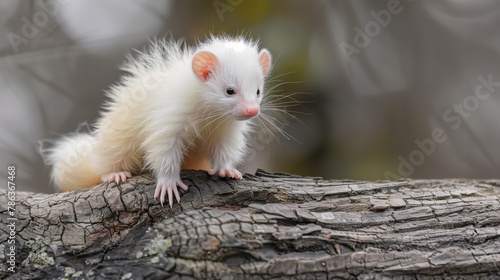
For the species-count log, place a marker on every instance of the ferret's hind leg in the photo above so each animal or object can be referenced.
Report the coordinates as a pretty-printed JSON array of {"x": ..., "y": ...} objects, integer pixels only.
[{"x": 115, "y": 160}]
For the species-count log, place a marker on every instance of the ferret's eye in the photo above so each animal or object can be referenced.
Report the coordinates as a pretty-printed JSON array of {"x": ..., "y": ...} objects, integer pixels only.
[
  {"x": 230, "y": 91},
  {"x": 258, "y": 92}
]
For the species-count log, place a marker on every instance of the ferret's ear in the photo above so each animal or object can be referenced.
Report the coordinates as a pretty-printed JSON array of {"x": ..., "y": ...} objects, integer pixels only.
[
  {"x": 265, "y": 61},
  {"x": 203, "y": 64}
]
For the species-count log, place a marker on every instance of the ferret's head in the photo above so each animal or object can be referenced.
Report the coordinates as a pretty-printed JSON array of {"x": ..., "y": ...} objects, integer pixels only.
[{"x": 233, "y": 72}]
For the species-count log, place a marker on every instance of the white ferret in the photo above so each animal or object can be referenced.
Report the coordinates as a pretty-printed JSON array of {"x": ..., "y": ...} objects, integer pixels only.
[{"x": 178, "y": 108}]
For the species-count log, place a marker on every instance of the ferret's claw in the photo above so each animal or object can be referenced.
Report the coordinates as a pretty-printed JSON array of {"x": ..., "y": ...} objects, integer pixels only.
[
  {"x": 163, "y": 190},
  {"x": 226, "y": 172},
  {"x": 177, "y": 197},
  {"x": 162, "y": 196},
  {"x": 182, "y": 185}
]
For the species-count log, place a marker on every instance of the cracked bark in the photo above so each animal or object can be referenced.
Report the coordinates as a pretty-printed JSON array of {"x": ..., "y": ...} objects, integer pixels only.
[{"x": 268, "y": 225}]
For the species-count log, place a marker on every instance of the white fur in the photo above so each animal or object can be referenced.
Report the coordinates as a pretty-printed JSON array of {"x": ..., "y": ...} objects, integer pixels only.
[
  {"x": 70, "y": 154},
  {"x": 161, "y": 111}
]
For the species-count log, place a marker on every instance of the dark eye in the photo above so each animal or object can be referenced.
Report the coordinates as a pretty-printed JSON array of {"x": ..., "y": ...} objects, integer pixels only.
[
  {"x": 230, "y": 91},
  {"x": 258, "y": 92}
]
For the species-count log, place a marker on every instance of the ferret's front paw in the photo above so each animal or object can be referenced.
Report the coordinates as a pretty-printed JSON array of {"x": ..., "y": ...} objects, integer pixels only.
[
  {"x": 226, "y": 172},
  {"x": 118, "y": 177},
  {"x": 169, "y": 188}
]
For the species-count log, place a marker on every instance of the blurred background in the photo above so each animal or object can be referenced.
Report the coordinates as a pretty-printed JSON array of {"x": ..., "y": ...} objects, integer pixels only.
[{"x": 388, "y": 88}]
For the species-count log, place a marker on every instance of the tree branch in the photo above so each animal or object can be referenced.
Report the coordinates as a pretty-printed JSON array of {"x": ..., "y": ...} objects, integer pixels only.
[{"x": 265, "y": 226}]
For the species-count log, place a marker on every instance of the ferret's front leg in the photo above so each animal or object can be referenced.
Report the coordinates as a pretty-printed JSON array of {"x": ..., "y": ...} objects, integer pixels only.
[
  {"x": 226, "y": 172},
  {"x": 165, "y": 158},
  {"x": 225, "y": 155}
]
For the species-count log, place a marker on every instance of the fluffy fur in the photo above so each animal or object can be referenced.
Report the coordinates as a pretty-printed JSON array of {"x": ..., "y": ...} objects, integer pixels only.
[{"x": 172, "y": 108}]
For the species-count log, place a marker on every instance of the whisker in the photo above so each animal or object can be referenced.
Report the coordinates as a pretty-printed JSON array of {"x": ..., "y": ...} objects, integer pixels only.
[
  {"x": 283, "y": 104},
  {"x": 286, "y": 111},
  {"x": 287, "y": 135},
  {"x": 290, "y": 115},
  {"x": 227, "y": 117},
  {"x": 270, "y": 89},
  {"x": 270, "y": 131},
  {"x": 278, "y": 83},
  {"x": 276, "y": 128},
  {"x": 256, "y": 140},
  {"x": 204, "y": 118},
  {"x": 274, "y": 78},
  {"x": 275, "y": 119},
  {"x": 198, "y": 133},
  {"x": 287, "y": 96},
  {"x": 267, "y": 139}
]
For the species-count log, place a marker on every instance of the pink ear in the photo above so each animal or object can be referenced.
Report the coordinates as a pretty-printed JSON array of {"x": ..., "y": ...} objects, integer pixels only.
[
  {"x": 265, "y": 61},
  {"x": 203, "y": 64}
]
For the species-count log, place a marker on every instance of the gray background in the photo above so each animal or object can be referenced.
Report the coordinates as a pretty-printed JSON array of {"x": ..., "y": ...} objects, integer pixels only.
[{"x": 363, "y": 111}]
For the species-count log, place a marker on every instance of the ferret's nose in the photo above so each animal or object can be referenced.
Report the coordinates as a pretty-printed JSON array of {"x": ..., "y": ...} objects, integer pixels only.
[{"x": 252, "y": 111}]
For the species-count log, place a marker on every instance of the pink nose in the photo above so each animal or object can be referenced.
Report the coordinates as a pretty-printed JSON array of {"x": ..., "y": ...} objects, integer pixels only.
[{"x": 252, "y": 111}]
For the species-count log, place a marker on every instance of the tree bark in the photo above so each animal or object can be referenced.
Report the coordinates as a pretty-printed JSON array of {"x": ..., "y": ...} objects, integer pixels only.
[{"x": 266, "y": 226}]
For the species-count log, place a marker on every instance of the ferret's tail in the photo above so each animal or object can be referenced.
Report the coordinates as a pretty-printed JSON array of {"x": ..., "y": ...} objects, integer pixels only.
[{"x": 71, "y": 160}]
